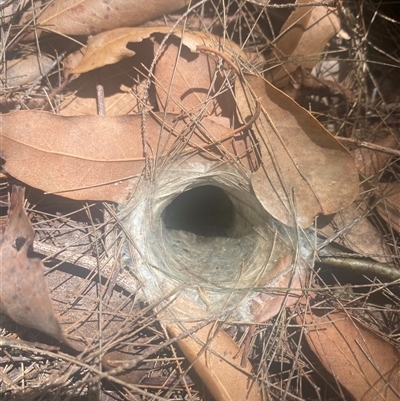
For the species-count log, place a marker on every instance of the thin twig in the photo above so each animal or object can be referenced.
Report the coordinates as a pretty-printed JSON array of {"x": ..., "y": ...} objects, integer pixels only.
[
  {"x": 124, "y": 280},
  {"x": 363, "y": 266},
  {"x": 369, "y": 145},
  {"x": 101, "y": 107},
  {"x": 332, "y": 3},
  {"x": 208, "y": 49},
  {"x": 236, "y": 131}
]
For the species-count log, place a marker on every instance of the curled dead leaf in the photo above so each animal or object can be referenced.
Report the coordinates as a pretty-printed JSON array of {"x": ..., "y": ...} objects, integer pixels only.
[
  {"x": 111, "y": 46},
  {"x": 24, "y": 294}
]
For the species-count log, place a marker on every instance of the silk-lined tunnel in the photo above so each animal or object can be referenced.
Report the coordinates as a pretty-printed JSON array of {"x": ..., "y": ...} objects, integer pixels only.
[
  {"x": 206, "y": 210},
  {"x": 205, "y": 237}
]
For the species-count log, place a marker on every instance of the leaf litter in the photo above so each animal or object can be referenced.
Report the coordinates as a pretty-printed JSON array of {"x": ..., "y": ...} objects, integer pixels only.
[
  {"x": 268, "y": 336},
  {"x": 72, "y": 17},
  {"x": 24, "y": 292},
  {"x": 296, "y": 46},
  {"x": 355, "y": 356},
  {"x": 289, "y": 138}
]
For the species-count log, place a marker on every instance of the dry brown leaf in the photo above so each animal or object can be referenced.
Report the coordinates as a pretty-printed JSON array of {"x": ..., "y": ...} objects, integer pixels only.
[
  {"x": 360, "y": 360},
  {"x": 24, "y": 294},
  {"x": 302, "y": 39},
  {"x": 110, "y": 47},
  {"x": 95, "y": 157},
  {"x": 188, "y": 81},
  {"x": 218, "y": 364},
  {"x": 305, "y": 170},
  {"x": 389, "y": 207},
  {"x": 25, "y": 70},
  {"x": 88, "y": 17},
  {"x": 362, "y": 237},
  {"x": 98, "y": 158},
  {"x": 183, "y": 79}
]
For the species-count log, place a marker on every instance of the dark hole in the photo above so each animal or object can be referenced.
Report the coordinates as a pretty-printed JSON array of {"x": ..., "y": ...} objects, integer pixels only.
[
  {"x": 205, "y": 211},
  {"x": 19, "y": 243}
]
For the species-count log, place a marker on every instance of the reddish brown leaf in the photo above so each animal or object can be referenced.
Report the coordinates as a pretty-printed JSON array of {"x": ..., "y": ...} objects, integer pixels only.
[
  {"x": 361, "y": 361},
  {"x": 88, "y": 17},
  {"x": 24, "y": 294},
  {"x": 216, "y": 359},
  {"x": 99, "y": 158},
  {"x": 305, "y": 170}
]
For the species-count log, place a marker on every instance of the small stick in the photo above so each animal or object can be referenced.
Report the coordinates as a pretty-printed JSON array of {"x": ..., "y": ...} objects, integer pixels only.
[
  {"x": 110, "y": 235},
  {"x": 384, "y": 271},
  {"x": 332, "y": 3},
  {"x": 100, "y": 100},
  {"x": 207, "y": 49},
  {"x": 101, "y": 107},
  {"x": 369, "y": 145}
]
